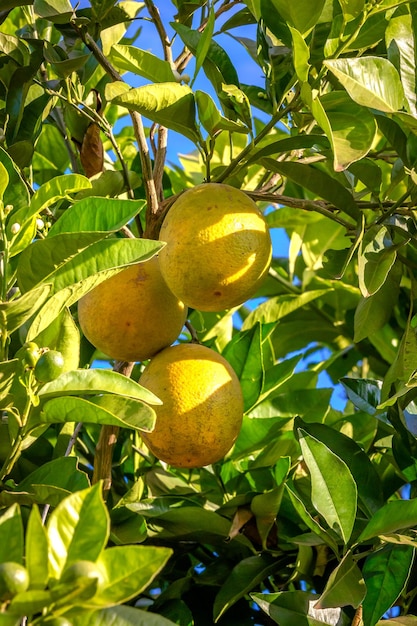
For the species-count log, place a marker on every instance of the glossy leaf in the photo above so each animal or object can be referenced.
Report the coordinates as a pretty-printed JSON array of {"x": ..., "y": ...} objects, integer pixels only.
[
  {"x": 393, "y": 516},
  {"x": 363, "y": 471},
  {"x": 376, "y": 257},
  {"x": 295, "y": 608},
  {"x": 120, "y": 615},
  {"x": 55, "y": 10},
  {"x": 333, "y": 490},
  {"x": 56, "y": 189},
  {"x": 16, "y": 193},
  {"x": 128, "y": 570},
  {"x": 211, "y": 118},
  {"x": 351, "y": 8},
  {"x": 142, "y": 62},
  {"x": 385, "y": 573},
  {"x": 11, "y": 533},
  {"x": 16, "y": 312},
  {"x": 345, "y": 586},
  {"x": 244, "y": 353},
  {"x": 374, "y": 311},
  {"x": 401, "y": 46},
  {"x": 303, "y": 16},
  {"x": 350, "y": 128},
  {"x": 310, "y": 521},
  {"x": 69, "y": 258},
  {"x": 94, "y": 382},
  {"x": 246, "y": 575},
  {"x": 276, "y": 308},
  {"x": 316, "y": 181},
  {"x": 96, "y": 214},
  {"x": 370, "y": 81},
  {"x": 49, "y": 483},
  {"x": 115, "y": 411},
  {"x": 36, "y": 550},
  {"x": 169, "y": 104},
  {"x": 217, "y": 63},
  {"x": 71, "y": 534}
]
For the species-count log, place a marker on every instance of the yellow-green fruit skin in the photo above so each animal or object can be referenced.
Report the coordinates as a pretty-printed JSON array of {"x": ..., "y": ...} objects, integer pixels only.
[
  {"x": 218, "y": 248},
  {"x": 132, "y": 315},
  {"x": 202, "y": 409}
]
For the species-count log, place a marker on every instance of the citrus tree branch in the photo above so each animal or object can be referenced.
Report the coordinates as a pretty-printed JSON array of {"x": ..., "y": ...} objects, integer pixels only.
[
  {"x": 107, "y": 440},
  {"x": 138, "y": 128}
]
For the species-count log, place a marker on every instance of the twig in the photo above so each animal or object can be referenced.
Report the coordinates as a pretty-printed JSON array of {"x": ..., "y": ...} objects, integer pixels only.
[
  {"x": 138, "y": 128},
  {"x": 357, "y": 619},
  {"x": 107, "y": 440}
]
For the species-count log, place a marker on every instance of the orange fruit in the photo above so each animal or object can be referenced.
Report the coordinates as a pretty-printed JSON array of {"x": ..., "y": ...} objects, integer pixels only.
[
  {"x": 218, "y": 247},
  {"x": 202, "y": 409},
  {"x": 133, "y": 314}
]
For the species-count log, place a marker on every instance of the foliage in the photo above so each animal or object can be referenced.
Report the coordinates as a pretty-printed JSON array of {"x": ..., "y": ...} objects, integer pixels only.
[{"x": 311, "y": 517}]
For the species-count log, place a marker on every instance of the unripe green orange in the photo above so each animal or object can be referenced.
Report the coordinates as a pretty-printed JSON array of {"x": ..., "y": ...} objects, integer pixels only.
[{"x": 14, "y": 579}]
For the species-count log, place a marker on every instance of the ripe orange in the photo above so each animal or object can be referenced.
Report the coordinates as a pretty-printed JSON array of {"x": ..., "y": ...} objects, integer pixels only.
[
  {"x": 132, "y": 315},
  {"x": 202, "y": 409},
  {"x": 218, "y": 247}
]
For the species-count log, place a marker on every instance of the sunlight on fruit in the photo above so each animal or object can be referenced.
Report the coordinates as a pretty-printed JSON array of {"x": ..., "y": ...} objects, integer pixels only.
[
  {"x": 218, "y": 248},
  {"x": 202, "y": 408}
]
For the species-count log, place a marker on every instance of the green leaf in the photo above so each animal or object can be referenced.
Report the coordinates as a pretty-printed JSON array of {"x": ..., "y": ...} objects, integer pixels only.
[
  {"x": 244, "y": 353},
  {"x": 106, "y": 409},
  {"x": 77, "y": 529},
  {"x": 376, "y": 257},
  {"x": 393, "y": 516},
  {"x": 58, "y": 11},
  {"x": 401, "y": 46},
  {"x": 265, "y": 506},
  {"x": 274, "y": 309},
  {"x": 364, "y": 393},
  {"x": 370, "y": 81},
  {"x": 386, "y": 573},
  {"x": 310, "y": 521},
  {"x": 333, "y": 490},
  {"x": 129, "y": 570},
  {"x": 11, "y": 535},
  {"x": 48, "y": 484},
  {"x": 301, "y": 53},
  {"x": 120, "y": 615},
  {"x": 69, "y": 258},
  {"x": 363, "y": 471},
  {"x": 17, "y": 193},
  {"x": 169, "y": 104},
  {"x": 217, "y": 64},
  {"x": 294, "y": 608},
  {"x": 4, "y": 180},
  {"x": 97, "y": 214},
  {"x": 302, "y": 15},
  {"x": 351, "y": 128},
  {"x": 246, "y": 575},
  {"x": 345, "y": 586},
  {"x": 316, "y": 181},
  {"x": 15, "y": 313},
  {"x": 204, "y": 43},
  {"x": 373, "y": 312},
  {"x": 94, "y": 382},
  {"x": 56, "y": 189},
  {"x": 211, "y": 118},
  {"x": 36, "y": 550},
  {"x": 351, "y": 8},
  {"x": 142, "y": 62}
]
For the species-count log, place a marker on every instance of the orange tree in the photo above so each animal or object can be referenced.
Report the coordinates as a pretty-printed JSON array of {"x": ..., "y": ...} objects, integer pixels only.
[{"x": 310, "y": 516}]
